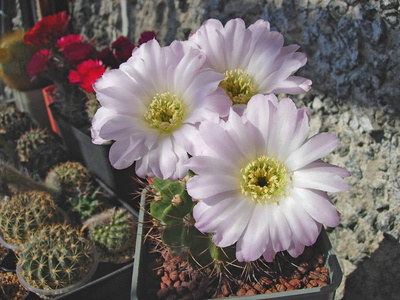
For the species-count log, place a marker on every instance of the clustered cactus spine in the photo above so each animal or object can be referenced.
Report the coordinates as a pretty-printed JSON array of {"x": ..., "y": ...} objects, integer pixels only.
[
  {"x": 171, "y": 209},
  {"x": 114, "y": 231},
  {"x": 30, "y": 141},
  {"x": 25, "y": 213},
  {"x": 14, "y": 57},
  {"x": 67, "y": 177},
  {"x": 87, "y": 201},
  {"x": 56, "y": 257},
  {"x": 13, "y": 123}
]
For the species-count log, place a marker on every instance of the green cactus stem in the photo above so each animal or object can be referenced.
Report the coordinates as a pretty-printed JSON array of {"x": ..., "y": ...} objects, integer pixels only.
[
  {"x": 172, "y": 209},
  {"x": 25, "y": 213},
  {"x": 30, "y": 141},
  {"x": 113, "y": 233},
  {"x": 67, "y": 177},
  {"x": 56, "y": 257}
]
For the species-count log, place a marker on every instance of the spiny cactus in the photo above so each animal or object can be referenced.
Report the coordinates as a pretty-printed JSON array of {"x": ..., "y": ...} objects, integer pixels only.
[
  {"x": 67, "y": 176},
  {"x": 87, "y": 201},
  {"x": 25, "y": 213},
  {"x": 14, "y": 57},
  {"x": 30, "y": 141},
  {"x": 92, "y": 105},
  {"x": 56, "y": 257},
  {"x": 113, "y": 231},
  {"x": 13, "y": 123},
  {"x": 171, "y": 209}
]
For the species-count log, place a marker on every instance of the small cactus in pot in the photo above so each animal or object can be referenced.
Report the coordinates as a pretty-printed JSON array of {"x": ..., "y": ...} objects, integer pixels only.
[
  {"x": 30, "y": 141},
  {"x": 25, "y": 213},
  {"x": 67, "y": 177},
  {"x": 55, "y": 258},
  {"x": 113, "y": 233},
  {"x": 13, "y": 123}
]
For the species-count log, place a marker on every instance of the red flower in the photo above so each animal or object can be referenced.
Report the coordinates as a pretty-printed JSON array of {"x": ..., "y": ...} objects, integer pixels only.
[
  {"x": 122, "y": 48},
  {"x": 108, "y": 58},
  {"x": 147, "y": 36},
  {"x": 77, "y": 52},
  {"x": 38, "y": 63},
  {"x": 48, "y": 29},
  {"x": 68, "y": 40},
  {"x": 87, "y": 72}
]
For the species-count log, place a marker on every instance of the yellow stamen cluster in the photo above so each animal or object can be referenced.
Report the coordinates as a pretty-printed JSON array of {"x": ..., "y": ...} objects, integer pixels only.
[
  {"x": 238, "y": 86},
  {"x": 265, "y": 180},
  {"x": 165, "y": 112}
]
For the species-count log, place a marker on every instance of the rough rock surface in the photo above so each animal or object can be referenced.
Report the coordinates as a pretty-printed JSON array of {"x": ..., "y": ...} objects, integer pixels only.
[{"x": 354, "y": 62}]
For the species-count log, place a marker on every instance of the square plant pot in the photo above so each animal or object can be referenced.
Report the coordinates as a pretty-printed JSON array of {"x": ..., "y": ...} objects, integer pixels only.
[
  {"x": 315, "y": 293},
  {"x": 79, "y": 144}
]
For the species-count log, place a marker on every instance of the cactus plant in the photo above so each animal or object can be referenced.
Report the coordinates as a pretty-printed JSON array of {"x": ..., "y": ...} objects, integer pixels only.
[
  {"x": 113, "y": 232},
  {"x": 14, "y": 57},
  {"x": 30, "y": 141},
  {"x": 55, "y": 257},
  {"x": 171, "y": 209},
  {"x": 87, "y": 201},
  {"x": 92, "y": 105},
  {"x": 67, "y": 176},
  {"x": 25, "y": 213},
  {"x": 13, "y": 123}
]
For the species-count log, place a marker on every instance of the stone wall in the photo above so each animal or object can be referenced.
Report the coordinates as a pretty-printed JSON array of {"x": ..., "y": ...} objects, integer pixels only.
[{"x": 352, "y": 45}]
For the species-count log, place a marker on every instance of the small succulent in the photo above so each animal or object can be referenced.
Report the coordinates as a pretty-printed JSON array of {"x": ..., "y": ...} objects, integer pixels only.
[
  {"x": 171, "y": 210},
  {"x": 67, "y": 177},
  {"x": 13, "y": 123},
  {"x": 14, "y": 57},
  {"x": 30, "y": 141},
  {"x": 55, "y": 257},
  {"x": 25, "y": 213},
  {"x": 87, "y": 201},
  {"x": 92, "y": 105},
  {"x": 113, "y": 232}
]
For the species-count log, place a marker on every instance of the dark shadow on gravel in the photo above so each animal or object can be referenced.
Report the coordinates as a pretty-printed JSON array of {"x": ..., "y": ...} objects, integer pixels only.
[{"x": 377, "y": 277}]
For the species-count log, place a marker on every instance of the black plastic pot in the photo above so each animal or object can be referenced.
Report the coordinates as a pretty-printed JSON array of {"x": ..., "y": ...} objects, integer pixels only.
[
  {"x": 316, "y": 293},
  {"x": 79, "y": 144}
]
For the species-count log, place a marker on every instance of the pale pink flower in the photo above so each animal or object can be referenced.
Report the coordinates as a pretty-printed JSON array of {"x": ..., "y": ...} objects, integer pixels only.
[
  {"x": 152, "y": 105},
  {"x": 254, "y": 59},
  {"x": 261, "y": 183}
]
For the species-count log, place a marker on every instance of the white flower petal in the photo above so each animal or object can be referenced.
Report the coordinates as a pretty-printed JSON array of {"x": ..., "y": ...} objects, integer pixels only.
[
  {"x": 324, "y": 181},
  {"x": 215, "y": 185},
  {"x": 316, "y": 147},
  {"x": 318, "y": 205},
  {"x": 280, "y": 232}
]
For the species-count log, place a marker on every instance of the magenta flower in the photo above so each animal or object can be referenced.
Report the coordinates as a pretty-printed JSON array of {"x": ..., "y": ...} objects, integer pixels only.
[
  {"x": 253, "y": 59},
  {"x": 77, "y": 52},
  {"x": 38, "y": 63},
  {"x": 68, "y": 40},
  {"x": 151, "y": 106},
  {"x": 86, "y": 74},
  {"x": 261, "y": 183}
]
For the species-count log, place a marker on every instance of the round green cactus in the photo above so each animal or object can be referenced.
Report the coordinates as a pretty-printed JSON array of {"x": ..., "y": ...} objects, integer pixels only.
[
  {"x": 113, "y": 231},
  {"x": 55, "y": 257},
  {"x": 30, "y": 141},
  {"x": 171, "y": 209},
  {"x": 14, "y": 57},
  {"x": 25, "y": 213},
  {"x": 67, "y": 177},
  {"x": 13, "y": 123}
]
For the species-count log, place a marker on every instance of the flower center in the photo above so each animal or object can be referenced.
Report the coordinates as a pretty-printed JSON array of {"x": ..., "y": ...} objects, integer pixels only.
[
  {"x": 265, "y": 180},
  {"x": 238, "y": 86},
  {"x": 165, "y": 112}
]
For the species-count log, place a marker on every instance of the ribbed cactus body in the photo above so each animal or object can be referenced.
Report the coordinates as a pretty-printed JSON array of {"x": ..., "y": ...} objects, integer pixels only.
[
  {"x": 113, "y": 232},
  {"x": 14, "y": 57},
  {"x": 30, "y": 141},
  {"x": 92, "y": 105},
  {"x": 25, "y": 213},
  {"x": 87, "y": 201},
  {"x": 66, "y": 177},
  {"x": 55, "y": 257},
  {"x": 13, "y": 123},
  {"x": 172, "y": 208}
]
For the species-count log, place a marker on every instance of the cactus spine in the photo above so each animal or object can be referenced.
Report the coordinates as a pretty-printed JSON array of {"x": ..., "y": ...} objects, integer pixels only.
[
  {"x": 171, "y": 209},
  {"x": 56, "y": 257},
  {"x": 13, "y": 123},
  {"x": 67, "y": 177},
  {"x": 25, "y": 213},
  {"x": 30, "y": 141},
  {"x": 113, "y": 231},
  {"x": 14, "y": 57}
]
